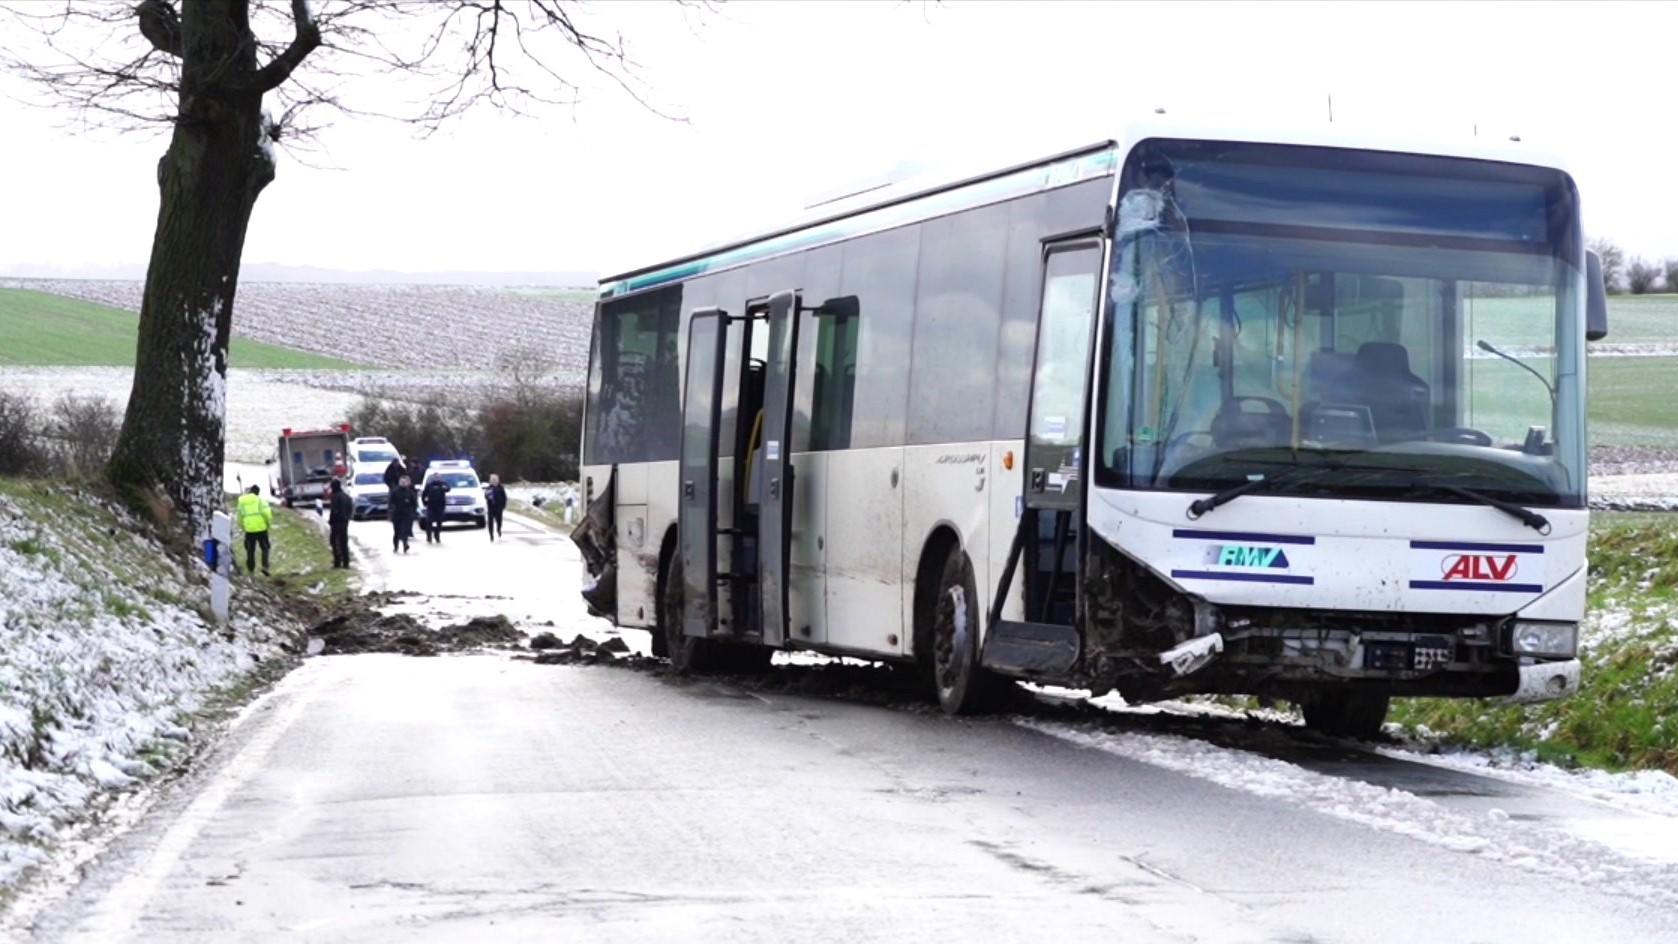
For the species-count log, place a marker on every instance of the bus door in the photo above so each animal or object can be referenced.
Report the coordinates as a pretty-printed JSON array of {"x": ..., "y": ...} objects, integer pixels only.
[
  {"x": 697, "y": 509},
  {"x": 1044, "y": 553},
  {"x": 773, "y": 482}
]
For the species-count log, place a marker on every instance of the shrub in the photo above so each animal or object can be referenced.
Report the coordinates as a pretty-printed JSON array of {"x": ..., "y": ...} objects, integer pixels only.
[
  {"x": 423, "y": 431},
  {"x": 81, "y": 435},
  {"x": 532, "y": 439},
  {"x": 20, "y": 452},
  {"x": 1641, "y": 276},
  {"x": 531, "y": 436}
]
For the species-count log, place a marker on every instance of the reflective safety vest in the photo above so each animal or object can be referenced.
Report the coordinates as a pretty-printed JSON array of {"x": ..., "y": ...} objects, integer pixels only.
[{"x": 254, "y": 514}]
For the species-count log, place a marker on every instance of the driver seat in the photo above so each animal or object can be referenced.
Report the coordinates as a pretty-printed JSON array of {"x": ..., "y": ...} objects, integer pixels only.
[
  {"x": 1397, "y": 399},
  {"x": 1237, "y": 427}
]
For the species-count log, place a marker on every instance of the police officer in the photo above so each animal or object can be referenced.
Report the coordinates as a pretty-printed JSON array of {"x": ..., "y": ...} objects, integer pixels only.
[
  {"x": 435, "y": 497},
  {"x": 404, "y": 506},
  {"x": 254, "y": 518},
  {"x": 495, "y": 497},
  {"x": 338, "y": 522}
]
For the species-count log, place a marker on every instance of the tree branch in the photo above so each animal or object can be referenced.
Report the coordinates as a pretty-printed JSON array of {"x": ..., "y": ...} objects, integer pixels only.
[{"x": 306, "y": 40}]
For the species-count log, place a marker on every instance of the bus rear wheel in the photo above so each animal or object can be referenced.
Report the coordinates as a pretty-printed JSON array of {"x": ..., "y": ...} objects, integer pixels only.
[
  {"x": 962, "y": 685},
  {"x": 1346, "y": 712}
]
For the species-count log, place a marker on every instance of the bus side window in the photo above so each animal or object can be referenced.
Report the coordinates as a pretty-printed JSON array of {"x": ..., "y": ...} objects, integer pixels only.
[{"x": 835, "y": 386}]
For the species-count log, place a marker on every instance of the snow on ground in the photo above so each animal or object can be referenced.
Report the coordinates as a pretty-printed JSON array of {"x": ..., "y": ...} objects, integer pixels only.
[
  {"x": 104, "y": 658},
  {"x": 1649, "y": 791},
  {"x": 259, "y": 403},
  {"x": 543, "y": 493},
  {"x": 1531, "y": 846},
  {"x": 1650, "y": 491}
]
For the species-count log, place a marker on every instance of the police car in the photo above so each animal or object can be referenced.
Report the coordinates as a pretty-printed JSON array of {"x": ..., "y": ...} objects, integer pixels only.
[
  {"x": 466, "y": 492},
  {"x": 366, "y": 487}
]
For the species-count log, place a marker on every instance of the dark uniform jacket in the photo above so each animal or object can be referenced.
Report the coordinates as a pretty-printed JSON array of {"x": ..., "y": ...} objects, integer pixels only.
[{"x": 343, "y": 509}]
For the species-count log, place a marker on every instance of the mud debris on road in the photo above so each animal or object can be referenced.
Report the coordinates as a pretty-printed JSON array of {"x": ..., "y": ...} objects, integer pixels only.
[
  {"x": 583, "y": 650},
  {"x": 363, "y": 630}
]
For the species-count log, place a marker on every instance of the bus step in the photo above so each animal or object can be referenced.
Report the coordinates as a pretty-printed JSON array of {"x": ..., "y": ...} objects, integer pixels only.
[{"x": 1030, "y": 649}]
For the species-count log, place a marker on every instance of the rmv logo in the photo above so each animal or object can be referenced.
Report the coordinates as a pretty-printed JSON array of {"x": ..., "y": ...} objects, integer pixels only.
[
  {"x": 1492, "y": 567},
  {"x": 1246, "y": 555}
]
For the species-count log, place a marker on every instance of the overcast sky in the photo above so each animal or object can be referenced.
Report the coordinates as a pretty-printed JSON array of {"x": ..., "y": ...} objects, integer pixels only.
[{"x": 787, "y": 102}]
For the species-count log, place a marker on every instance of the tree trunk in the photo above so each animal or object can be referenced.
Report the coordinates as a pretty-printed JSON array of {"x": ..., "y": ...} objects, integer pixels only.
[{"x": 173, "y": 435}]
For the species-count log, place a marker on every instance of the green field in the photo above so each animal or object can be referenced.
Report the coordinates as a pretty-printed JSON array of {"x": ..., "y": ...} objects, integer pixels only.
[
  {"x": 1634, "y": 401},
  {"x": 1642, "y": 318},
  {"x": 41, "y": 330},
  {"x": 1632, "y": 319}
]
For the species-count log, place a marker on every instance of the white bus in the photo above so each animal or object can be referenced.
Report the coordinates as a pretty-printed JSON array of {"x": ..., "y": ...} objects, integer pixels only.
[{"x": 1186, "y": 411}]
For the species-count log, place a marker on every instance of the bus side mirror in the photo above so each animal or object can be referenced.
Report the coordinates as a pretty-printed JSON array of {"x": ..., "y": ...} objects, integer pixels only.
[{"x": 1596, "y": 299}]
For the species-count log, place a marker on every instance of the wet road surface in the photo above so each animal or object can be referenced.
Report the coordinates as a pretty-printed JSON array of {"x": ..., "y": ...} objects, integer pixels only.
[{"x": 478, "y": 797}]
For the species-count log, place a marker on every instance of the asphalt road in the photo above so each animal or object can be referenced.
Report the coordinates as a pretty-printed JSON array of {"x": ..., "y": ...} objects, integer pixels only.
[{"x": 478, "y": 797}]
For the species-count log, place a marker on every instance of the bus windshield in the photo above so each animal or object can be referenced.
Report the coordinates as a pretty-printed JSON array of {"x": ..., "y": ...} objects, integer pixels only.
[{"x": 1411, "y": 323}]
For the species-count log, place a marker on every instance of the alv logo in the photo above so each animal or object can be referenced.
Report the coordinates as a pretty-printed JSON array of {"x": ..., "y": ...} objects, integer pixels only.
[{"x": 1494, "y": 568}]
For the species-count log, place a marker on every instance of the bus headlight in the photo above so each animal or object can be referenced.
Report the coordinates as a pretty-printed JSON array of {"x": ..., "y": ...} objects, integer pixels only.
[{"x": 1553, "y": 640}]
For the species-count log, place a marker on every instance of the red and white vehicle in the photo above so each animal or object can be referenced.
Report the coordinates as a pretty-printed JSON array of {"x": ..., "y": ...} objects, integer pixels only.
[{"x": 306, "y": 461}]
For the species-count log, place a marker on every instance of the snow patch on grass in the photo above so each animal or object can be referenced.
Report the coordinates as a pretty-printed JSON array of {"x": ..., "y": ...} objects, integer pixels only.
[
  {"x": 104, "y": 659},
  {"x": 1649, "y": 791}
]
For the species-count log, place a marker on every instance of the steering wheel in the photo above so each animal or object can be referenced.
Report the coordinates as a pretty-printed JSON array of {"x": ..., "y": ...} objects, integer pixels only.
[{"x": 1463, "y": 435}]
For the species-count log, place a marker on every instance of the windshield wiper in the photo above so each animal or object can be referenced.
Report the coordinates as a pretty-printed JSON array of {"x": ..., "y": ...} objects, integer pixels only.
[
  {"x": 1527, "y": 516},
  {"x": 1293, "y": 475},
  {"x": 1201, "y": 506}
]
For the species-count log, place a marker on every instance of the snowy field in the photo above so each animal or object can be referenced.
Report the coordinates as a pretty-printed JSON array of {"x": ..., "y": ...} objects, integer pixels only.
[
  {"x": 104, "y": 659},
  {"x": 1646, "y": 491},
  {"x": 259, "y": 404}
]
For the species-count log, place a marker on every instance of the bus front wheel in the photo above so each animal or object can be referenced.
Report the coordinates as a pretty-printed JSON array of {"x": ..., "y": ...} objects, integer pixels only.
[
  {"x": 1346, "y": 712},
  {"x": 962, "y": 685},
  {"x": 687, "y": 654}
]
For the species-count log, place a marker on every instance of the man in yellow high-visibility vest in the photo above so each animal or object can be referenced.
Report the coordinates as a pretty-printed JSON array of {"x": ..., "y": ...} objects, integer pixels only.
[{"x": 254, "y": 518}]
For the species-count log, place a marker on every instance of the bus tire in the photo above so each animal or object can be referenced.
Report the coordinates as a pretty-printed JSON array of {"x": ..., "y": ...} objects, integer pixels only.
[
  {"x": 744, "y": 658},
  {"x": 688, "y": 655},
  {"x": 960, "y": 683},
  {"x": 666, "y": 561},
  {"x": 1346, "y": 712}
]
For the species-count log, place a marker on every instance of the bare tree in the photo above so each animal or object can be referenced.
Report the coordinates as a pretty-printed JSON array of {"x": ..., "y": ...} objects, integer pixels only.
[
  {"x": 1613, "y": 262},
  {"x": 1641, "y": 276},
  {"x": 1670, "y": 270},
  {"x": 203, "y": 70},
  {"x": 527, "y": 369}
]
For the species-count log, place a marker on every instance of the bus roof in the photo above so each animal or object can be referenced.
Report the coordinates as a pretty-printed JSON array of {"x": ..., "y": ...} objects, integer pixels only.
[
  {"x": 878, "y": 209},
  {"x": 912, "y": 201}
]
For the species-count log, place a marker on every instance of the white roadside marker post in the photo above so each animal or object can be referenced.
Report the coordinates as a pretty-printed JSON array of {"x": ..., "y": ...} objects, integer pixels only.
[{"x": 221, "y": 534}]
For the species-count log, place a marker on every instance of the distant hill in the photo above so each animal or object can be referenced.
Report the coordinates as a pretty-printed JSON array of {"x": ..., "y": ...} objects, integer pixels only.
[
  {"x": 452, "y": 327},
  {"x": 275, "y": 272}
]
